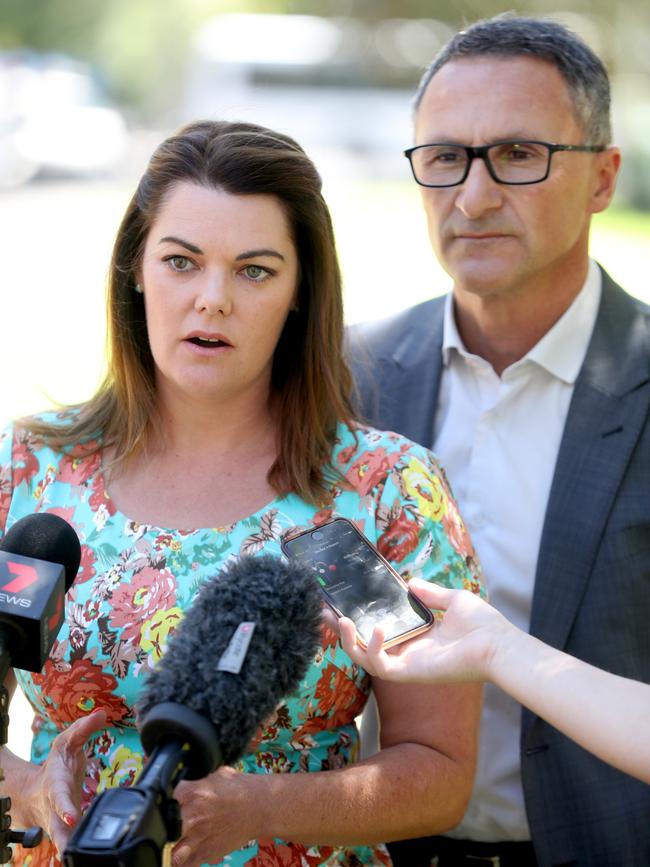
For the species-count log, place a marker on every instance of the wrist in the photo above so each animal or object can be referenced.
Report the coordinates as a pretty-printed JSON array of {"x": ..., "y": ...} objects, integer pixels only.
[
  {"x": 507, "y": 644},
  {"x": 22, "y": 784},
  {"x": 266, "y": 795}
]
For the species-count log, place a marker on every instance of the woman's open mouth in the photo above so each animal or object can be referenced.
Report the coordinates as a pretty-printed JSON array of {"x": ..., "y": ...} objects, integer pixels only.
[{"x": 208, "y": 342}]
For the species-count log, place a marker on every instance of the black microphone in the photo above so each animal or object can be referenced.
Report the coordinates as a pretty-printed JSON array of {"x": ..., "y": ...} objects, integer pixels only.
[
  {"x": 244, "y": 644},
  {"x": 39, "y": 560}
]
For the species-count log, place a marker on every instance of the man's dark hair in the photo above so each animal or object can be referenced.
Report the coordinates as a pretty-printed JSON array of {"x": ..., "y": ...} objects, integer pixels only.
[{"x": 508, "y": 36}]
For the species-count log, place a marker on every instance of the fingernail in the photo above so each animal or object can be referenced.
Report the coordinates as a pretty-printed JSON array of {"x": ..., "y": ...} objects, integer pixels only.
[{"x": 69, "y": 820}]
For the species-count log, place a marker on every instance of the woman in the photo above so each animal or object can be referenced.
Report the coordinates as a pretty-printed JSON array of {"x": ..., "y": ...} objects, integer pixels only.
[{"x": 224, "y": 423}]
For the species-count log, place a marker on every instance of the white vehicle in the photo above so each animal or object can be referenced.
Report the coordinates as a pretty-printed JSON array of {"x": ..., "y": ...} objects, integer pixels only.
[{"x": 54, "y": 119}]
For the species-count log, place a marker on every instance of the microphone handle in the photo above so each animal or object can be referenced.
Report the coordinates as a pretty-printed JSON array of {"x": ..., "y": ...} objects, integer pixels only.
[
  {"x": 166, "y": 767},
  {"x": 134, "y": 825}
]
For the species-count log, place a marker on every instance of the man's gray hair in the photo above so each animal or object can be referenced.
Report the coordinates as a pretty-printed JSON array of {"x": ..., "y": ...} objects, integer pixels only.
[{"x": 508, "y": 35}]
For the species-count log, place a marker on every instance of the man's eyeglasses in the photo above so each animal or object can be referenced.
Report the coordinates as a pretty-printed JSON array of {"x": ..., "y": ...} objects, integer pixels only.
[{"x": 508, "y": 162}]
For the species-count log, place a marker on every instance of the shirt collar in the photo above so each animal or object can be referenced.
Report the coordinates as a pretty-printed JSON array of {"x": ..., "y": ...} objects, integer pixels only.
[{"x": 562, "y": 349}]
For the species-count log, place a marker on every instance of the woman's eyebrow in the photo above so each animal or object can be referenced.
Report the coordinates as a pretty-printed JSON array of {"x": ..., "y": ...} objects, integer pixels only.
[
  {"x": 191, "y": 247},
  {"x": 252, "y": 254}
]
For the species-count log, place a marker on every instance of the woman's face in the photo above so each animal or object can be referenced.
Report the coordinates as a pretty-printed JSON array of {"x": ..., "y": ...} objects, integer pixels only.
[{"x": 219, "y": 274}]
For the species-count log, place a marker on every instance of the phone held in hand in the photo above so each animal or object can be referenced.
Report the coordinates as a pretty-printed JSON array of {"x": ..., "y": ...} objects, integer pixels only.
[{"x": 357, "y": 582}]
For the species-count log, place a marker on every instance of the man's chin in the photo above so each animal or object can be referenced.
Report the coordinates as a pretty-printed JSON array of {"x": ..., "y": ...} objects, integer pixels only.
[{"x": 483, "y": 282}]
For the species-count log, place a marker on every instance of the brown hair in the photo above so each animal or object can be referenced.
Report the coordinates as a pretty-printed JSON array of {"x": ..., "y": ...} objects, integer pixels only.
[{"x": 310, "y": 379}]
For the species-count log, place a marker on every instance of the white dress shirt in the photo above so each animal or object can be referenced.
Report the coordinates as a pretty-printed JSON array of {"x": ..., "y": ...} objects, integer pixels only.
[{"x": 498, "y": 439}]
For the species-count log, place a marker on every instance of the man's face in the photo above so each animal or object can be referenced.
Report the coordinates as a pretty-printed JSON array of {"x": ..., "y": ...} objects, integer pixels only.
[{"x": 490, "y": 237}]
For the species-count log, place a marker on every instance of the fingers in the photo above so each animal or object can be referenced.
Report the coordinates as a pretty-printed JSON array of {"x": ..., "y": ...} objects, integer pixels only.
[
  {"x": 348, "y": 634},
  {"x": 69, "y": 747},
  {"x": 373, "y": 658},
  {"x": 433, "y": 595},
  {"x": 60, "y": 833},
  {"x": 76, "y": 735}
]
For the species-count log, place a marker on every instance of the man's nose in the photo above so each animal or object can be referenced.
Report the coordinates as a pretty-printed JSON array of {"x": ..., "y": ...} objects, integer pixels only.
[{"x": 479, "y": 192}]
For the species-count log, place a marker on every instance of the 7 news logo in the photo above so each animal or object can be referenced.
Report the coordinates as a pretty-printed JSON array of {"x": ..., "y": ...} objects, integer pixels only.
[{"x": 23, "y": 576}]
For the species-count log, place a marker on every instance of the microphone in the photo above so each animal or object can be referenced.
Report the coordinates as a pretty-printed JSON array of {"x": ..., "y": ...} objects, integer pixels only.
[
  {"x": 245, "y": 643},
  {"x": 39, "y": 560}
]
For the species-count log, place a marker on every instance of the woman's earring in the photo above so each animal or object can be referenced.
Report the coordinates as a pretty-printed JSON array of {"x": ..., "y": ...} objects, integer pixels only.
[{"x": 138, "y": 288}]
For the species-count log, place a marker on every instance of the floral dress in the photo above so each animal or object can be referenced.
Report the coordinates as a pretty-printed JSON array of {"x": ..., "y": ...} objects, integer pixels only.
[{"x": 136, "y": 580}]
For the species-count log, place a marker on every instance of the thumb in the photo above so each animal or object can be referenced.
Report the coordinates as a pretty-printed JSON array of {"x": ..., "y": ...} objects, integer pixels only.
[
  {"x": 433, "y": 595},
  {"x": 78, "y": 733}
]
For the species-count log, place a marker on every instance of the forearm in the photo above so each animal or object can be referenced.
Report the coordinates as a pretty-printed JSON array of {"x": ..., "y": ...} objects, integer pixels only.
[
  {"x": 593, "y": 707},
  {"x": 404, "y": 791}
]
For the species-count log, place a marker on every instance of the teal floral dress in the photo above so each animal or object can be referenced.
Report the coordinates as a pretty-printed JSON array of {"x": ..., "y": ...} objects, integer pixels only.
[{"x": 136, "y": 580}]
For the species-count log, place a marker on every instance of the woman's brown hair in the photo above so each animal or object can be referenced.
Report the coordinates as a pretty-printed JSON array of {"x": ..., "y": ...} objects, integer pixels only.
[{"x": 310, "y": 380}]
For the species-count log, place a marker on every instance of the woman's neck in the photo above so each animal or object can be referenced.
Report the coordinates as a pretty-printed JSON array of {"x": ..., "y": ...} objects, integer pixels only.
[
  {"x": 192, "y": 427},
  {"x": 201, "y": 467}
]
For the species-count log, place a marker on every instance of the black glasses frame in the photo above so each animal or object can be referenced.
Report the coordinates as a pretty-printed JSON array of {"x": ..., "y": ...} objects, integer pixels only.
[{"x": 481, "y": 152}]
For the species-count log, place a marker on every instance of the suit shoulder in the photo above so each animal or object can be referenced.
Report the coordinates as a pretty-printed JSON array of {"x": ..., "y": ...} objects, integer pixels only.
[
  {"x": 618, "y": 297},
  {"x": 382, "y": 335}
]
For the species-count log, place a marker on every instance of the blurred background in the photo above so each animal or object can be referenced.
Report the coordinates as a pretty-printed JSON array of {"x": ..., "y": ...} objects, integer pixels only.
[{"x": 88, "y": 89}]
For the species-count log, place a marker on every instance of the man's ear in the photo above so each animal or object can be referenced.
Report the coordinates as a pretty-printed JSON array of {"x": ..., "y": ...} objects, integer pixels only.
[{"x": 606, "y": 168}]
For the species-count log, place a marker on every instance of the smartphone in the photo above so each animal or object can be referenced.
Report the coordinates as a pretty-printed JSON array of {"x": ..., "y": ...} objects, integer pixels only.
[{"x": 357, "y": 582}]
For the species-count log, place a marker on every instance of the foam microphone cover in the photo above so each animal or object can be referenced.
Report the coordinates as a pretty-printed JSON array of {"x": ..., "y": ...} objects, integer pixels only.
[
  {"x": 42, "y": 536},
  {"x": 283, "y": 600},
  {"x": 39, "y": 559}
]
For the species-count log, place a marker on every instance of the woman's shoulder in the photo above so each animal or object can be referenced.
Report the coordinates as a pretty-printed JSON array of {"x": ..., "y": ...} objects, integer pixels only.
[
  {"x": 356, "y": 440},
  {"x": 41, "y": 432},
  {"x": 368, "y": 458},
  {"x": 51, "y": 418}
]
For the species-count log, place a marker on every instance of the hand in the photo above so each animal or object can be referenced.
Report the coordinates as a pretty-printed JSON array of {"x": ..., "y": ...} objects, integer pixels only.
[
  {"x": 216, "y": 813},
  {"x": 52, "y": 793},
  {"x": 460, "y": 647}
]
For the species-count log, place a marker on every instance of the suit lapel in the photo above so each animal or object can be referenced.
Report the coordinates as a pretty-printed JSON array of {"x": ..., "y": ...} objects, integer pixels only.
[
  {"x": 416, "y": 371},
  {"x": 606, "y": 416},
  {"x": 397, "y": 365}
]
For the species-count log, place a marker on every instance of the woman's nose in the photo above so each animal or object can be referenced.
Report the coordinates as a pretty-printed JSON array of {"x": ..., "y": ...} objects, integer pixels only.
[{"x": 214, "y": 295}]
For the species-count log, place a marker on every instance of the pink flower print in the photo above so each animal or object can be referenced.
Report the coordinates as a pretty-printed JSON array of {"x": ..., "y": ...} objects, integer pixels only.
[
  {"x": 135, "y": 603},
  {"x": 87, "y": 566},
  {"x": 456, "y": 531},
  {"x": 100, "y": 498},
  {"x": 76, "y": 471},
  {"x": 25, "y": 463},
  {"x": 345, "y": 454},
  {"x": 370, "y": 469}
]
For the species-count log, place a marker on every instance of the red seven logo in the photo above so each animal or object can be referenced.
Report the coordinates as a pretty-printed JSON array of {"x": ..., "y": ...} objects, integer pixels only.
[
  {"x": 25, "y": 576},
  {"x": 55, "y": 619}
]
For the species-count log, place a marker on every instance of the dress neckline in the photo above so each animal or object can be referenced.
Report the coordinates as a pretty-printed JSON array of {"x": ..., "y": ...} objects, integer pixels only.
[{"x": 225, "y": 529}]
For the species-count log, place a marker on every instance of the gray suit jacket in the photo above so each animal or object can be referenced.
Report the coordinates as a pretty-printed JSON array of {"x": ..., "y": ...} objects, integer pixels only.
[{"x": 592, "y": 587}]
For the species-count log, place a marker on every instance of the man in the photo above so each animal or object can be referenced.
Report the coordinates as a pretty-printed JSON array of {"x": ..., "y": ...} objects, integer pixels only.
[{"x": 531, "y": 382}]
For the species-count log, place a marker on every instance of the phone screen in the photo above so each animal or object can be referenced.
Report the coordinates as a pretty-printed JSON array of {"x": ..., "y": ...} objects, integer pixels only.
[{"x": 357, "y": 581}]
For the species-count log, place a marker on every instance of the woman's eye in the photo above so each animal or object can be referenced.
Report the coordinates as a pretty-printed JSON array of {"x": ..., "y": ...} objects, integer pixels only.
[
  {"x": 180, "y": 263},
  {"x": 256, "y": 272}
]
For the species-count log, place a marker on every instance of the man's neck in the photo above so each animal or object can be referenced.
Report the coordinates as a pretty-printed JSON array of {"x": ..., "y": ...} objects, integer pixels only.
[{"x": 502, "y": 328}]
